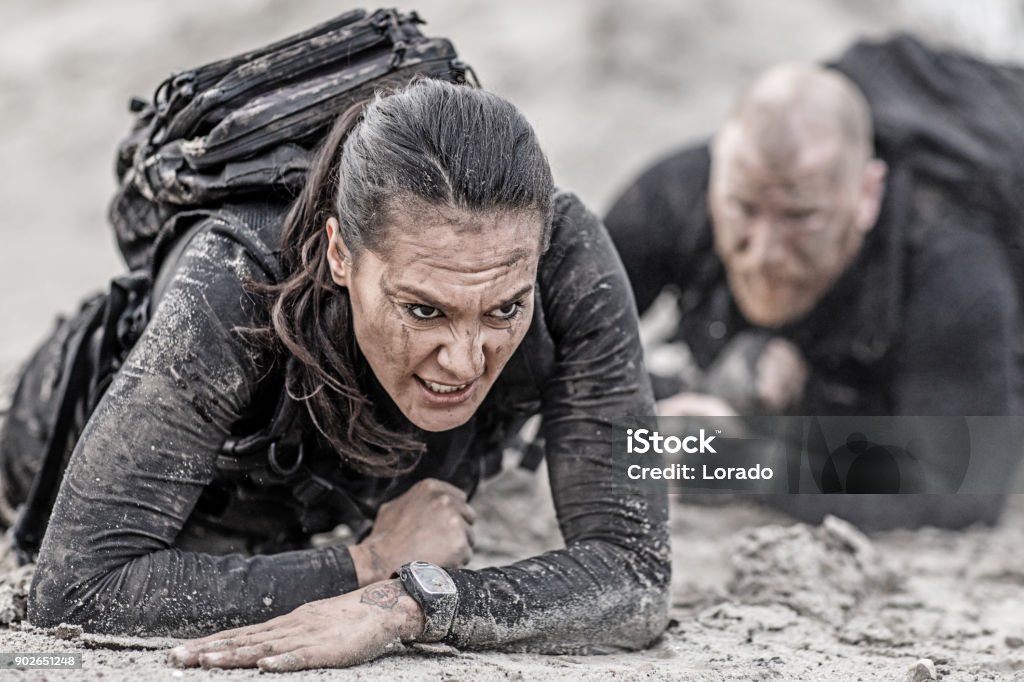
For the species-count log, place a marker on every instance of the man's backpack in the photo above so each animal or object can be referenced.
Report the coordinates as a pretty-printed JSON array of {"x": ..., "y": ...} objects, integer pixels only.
[
  {"x": 954, "y": 122},
  {"x": 235, "y": 131}
]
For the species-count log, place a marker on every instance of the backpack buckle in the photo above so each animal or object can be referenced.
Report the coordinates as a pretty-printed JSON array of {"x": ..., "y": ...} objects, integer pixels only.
[{"x": 280, "y": 462}]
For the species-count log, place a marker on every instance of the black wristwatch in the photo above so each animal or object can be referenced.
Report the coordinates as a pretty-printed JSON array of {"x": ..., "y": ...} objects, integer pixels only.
[{"x": 435, "y": 592}]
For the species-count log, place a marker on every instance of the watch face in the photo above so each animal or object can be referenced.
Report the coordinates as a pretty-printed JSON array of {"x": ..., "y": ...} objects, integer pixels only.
[{"x": 431, "y": 579}]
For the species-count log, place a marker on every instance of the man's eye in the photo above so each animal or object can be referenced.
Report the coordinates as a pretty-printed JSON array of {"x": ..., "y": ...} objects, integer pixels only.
[
  {"x": 746, "y": 208},
  {"x": 800, "y": 215},
  {"x": 423, "y": 312},
  {"x": 509, "y": 311}
]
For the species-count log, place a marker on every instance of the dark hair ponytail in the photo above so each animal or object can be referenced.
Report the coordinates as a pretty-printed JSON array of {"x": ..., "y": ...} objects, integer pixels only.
[{"x": 310, "y": 317}]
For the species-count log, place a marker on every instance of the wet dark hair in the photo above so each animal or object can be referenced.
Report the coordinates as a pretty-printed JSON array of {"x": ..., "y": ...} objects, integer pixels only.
[{"x": 431, "y": 142}]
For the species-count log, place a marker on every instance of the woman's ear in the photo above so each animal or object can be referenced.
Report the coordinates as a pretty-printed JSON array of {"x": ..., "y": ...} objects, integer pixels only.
[{"x": 338, "y": 257}]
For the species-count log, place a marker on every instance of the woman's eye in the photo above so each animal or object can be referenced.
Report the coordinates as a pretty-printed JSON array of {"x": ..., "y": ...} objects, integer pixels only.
[
  {"x": 508, "y": 312},
  {"x": 423, "y": 312}
]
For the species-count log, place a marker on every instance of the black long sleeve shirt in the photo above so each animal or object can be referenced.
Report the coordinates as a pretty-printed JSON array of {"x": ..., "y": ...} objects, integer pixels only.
[{"x": 111, "y": 560}]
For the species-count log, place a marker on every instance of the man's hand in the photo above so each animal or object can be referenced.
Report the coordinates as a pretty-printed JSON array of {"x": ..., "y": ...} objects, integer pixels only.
[
  {"x": 331, "y": 633},
  {"x": 688, "y": 404},
  {"x": 781, "y": 376},
  {"x": 429, "y": 522}
]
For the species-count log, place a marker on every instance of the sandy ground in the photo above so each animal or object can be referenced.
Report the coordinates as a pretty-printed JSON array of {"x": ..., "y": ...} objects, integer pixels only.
[
  {"x": 610, "y": 86},
  {"x": 755, "y": 597}
]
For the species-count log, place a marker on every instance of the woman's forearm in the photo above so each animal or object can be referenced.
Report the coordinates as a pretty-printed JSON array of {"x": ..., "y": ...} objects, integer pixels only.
[
  {"x": 591, "y": 597},
  {"x": 185, "y": 594}
]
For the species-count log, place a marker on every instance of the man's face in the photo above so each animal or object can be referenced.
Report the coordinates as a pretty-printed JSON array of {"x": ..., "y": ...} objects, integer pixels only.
[
  {"x": 787, "y": 231},
  {"x": 439, "y": 314}
]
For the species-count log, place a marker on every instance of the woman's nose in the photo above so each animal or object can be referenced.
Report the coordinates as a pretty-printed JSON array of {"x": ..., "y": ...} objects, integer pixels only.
[{"x": 463, "y": 355}]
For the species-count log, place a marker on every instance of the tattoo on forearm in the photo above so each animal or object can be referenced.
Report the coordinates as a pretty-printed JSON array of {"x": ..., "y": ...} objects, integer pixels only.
[{"x": 384, "y": 595}]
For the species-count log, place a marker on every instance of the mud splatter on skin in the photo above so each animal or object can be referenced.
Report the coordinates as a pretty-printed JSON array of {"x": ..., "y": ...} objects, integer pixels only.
[{"x": 427, "y": 306}]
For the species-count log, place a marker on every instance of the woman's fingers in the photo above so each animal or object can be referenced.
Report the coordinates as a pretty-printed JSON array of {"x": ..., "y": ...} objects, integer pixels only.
[
  {"x": 225, "y": 635},
  {"x": 322, "y": 656},
  {"x": 300, "y": 659},
  {"x": 330, "y": 633},
  {"x": 438, "y": 486},
  {"x": 234, "y": 633},
  {"x": 188, "y": 655},
  {"x": 426, "y": 522},
  {"x": 291, "y": 654},
  {"x": 247, "y": 656}
]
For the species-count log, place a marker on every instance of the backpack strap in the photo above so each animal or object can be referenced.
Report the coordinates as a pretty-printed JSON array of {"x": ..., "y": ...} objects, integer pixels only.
[
  {"x": 278, "y": 455},
  {"x": 100, "y": 335},
  {"x": 30, "y": 525}
]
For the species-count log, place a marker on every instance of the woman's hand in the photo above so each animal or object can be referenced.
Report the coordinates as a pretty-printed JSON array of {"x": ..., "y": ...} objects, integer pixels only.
[
  {"x": 429, "y": 522},
  {"x": 331, "y": 633}
]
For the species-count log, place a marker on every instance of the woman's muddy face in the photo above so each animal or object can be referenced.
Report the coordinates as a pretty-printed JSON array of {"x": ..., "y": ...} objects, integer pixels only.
[{"x": 439, "y": 311}]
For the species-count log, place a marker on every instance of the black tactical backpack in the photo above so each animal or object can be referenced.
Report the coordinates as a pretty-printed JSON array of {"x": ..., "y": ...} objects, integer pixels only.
[
  {"x": 240, "y": 129},
  {"x": 954, "y": 122}
]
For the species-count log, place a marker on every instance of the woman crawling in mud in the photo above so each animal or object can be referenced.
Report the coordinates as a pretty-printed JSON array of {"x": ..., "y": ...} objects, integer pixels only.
[{"x": 435, "y": 289}]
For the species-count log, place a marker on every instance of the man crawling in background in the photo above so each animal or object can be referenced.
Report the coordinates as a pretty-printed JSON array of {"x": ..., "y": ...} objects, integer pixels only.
[{"x": 823, "y": 270}]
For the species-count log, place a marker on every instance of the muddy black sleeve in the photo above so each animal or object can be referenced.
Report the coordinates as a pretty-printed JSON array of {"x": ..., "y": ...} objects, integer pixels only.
[
  {"x": 960, "y": 355},
  {"x": 657, "y": 222},
  {"x": 608, "y": 588},
  {"x": 108, "y": 561}
]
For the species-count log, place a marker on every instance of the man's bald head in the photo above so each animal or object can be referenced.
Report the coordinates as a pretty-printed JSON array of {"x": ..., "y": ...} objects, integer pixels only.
[
  {"x": 792, "y": 109},
  {"x": 794, "y": 188}
]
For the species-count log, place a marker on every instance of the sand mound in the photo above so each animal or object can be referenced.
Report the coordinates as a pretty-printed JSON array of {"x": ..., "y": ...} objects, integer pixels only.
[{"x": 822, "y": 572}]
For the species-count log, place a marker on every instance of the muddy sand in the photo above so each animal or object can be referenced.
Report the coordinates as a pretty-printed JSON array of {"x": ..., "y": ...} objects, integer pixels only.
[
  {"x": 754, "y": 597},
  {"x": 609, "y": 86}
]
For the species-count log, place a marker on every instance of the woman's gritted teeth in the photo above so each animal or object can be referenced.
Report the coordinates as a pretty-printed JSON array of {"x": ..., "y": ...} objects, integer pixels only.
[
  {"x": 448, "y": 393},
  {"x": 443, "y": 388}
]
